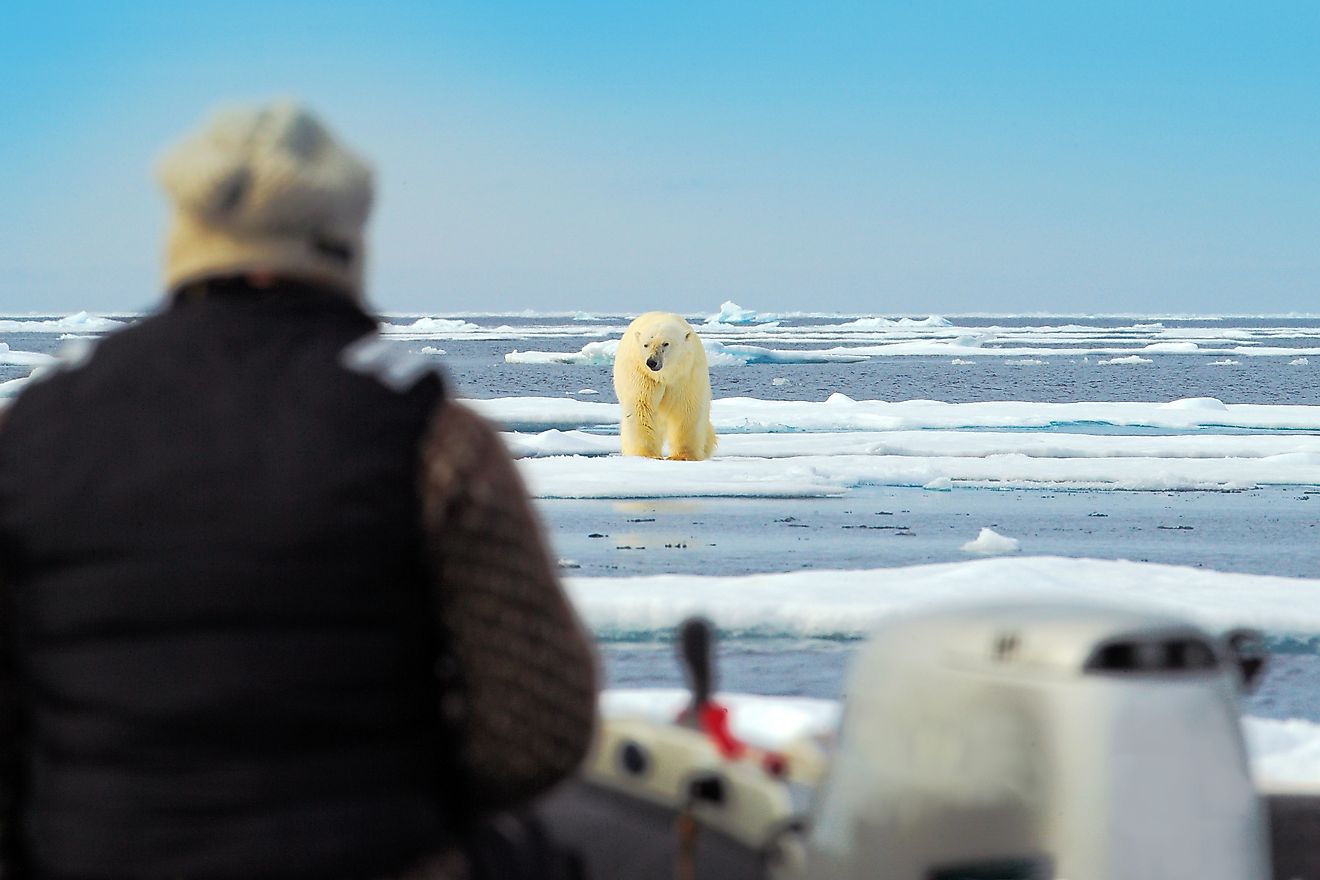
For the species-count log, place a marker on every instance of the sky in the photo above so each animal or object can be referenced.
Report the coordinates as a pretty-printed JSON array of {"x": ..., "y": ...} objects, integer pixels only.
[{"x": 875, "y": 158}]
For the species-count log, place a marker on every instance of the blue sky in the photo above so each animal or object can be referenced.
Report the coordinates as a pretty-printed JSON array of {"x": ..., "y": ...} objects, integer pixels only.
[{"x": 868, "y": 157}]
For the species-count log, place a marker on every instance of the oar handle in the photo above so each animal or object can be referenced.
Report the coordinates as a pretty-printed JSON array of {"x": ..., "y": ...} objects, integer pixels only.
[{"x": 696, "y": 638}]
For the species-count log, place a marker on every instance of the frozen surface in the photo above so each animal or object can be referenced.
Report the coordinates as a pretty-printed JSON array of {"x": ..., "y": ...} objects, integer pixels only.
[
  {"x": 838, "y": 412},
  {"x": 77, "y": 323},
  {"x": 811, "y": 476},
  {"x": 10, "y": 357},
  {"x": 988, "y": 542},
  {"x": 849, "y": 604},
  {"x": 950, "y": 444}
]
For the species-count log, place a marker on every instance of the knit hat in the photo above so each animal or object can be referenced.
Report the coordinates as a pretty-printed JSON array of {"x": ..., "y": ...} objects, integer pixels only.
[{"x": 265, "y": 189}]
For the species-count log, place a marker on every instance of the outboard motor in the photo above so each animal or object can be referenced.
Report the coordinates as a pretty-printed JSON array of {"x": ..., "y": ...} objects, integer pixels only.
[
  {"x": 1020, "y": 741},
  {"x": 1028, "y": 742}
]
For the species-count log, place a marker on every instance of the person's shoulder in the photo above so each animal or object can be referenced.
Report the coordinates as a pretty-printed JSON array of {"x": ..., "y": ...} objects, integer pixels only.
[{"x": 390, "y": 363}]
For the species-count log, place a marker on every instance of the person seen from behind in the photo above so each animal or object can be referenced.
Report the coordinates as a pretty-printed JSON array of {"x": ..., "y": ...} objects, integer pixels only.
[{"x": 272, "y": 604}]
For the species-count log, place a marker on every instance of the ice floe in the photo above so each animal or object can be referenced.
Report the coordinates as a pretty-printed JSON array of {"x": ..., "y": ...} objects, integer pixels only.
[
  {"x": 813, "y": 476},
  {"x": 839, "y": 412},
  {"x": 593, "y": 353},
  {"x": 797, "y": 448},
  {"x": 991, "y": 543},
  {"x": 940, "y": 443},
  {"x": 10, "y": 357},
  {"x": 849, "y": 604},
  {"x": 77, "y": 323}
]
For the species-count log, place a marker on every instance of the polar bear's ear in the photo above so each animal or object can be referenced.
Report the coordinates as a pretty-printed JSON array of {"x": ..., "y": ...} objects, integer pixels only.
[{"x": 687, "y": 335}]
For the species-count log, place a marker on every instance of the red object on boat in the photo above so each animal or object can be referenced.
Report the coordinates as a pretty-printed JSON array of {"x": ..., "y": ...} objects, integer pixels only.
[{"x": 713, "y": 720}]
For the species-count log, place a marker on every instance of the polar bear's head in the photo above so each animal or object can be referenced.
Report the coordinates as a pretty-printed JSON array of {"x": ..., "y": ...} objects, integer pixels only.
[{"x": 666, "y": 340}]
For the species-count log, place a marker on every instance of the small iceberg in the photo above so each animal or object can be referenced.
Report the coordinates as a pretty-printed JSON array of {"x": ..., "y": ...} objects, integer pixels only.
[
  {"x": 991, "y": 543},
  {"x": 431, "y": 326},
  {"x": 732, "y": 313},
  {"x": 591, "y": 354}
]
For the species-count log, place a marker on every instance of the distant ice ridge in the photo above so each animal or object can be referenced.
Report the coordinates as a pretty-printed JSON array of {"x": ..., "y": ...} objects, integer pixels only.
[
  {"x": 457, "y": 328},
  {"x": 78, "y": 322},
  {"x": 850, "y": 604},
  {"x": 1283, "y": 754},
  {"x": 430, "y": 326},
  {"x": 717, "y": 355},
  {"x": 871, "y": 323},
  {"x": 874, "y": 336},
  {"x": 591, "y": 354}
]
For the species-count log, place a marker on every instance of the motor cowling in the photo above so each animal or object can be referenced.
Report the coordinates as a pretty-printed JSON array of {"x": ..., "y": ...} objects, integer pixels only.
[{"x": 1026, "y": 741}]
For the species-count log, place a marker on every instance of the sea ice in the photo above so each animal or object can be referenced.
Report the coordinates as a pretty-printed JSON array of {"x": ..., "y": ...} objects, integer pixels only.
[
  {"x": 593, "y": 353},
  {"x": 79, "y": 322},
  {"x": 430, "y": 326},
  {"x": 718, "y": 354},
  {"x": 10, "y": 357},
  {"x": 841, "y": 413},
  {"x": 991, "y": 543},
  {"x": 850, "y": 604},
  {"x": 732, "y": 313}
]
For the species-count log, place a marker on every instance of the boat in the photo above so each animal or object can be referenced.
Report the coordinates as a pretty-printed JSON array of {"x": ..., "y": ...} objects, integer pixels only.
[{"x": 1002, "y": 741}]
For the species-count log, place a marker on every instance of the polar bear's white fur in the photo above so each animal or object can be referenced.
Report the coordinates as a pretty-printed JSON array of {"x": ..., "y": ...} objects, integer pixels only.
[{"x": 663, "y": 386}]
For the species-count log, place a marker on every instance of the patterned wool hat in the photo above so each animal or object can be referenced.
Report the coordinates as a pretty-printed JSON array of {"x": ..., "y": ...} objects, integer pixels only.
[{"x": 269, "y": 189}]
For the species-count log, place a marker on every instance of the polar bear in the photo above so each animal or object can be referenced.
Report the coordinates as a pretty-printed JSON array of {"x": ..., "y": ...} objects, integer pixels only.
[{"x": 663, "y": 386}]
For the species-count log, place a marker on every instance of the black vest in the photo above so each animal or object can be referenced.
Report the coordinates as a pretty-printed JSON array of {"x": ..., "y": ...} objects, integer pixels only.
[{"x": 216, "y": 605}]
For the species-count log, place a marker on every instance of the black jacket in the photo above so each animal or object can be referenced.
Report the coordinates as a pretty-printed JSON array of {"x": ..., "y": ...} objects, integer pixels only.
[{"x": 214, "y": 604}]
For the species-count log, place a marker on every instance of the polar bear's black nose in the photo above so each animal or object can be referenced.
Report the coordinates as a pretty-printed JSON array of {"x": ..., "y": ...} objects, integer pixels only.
[{"x": 653, "y": 363}]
